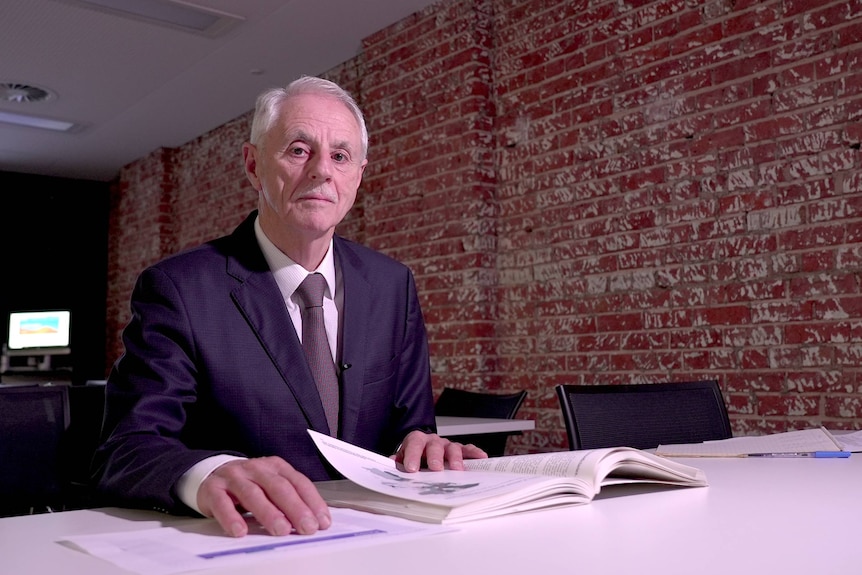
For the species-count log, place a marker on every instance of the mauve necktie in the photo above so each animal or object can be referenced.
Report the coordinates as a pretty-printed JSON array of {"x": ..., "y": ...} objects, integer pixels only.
[{"x": 316, "y": 346}]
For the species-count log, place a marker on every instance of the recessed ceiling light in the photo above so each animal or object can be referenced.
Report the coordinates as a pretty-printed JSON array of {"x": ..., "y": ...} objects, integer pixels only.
[
  {"x": 35, "y": 122},
  {"x": 173, "y": 13}
]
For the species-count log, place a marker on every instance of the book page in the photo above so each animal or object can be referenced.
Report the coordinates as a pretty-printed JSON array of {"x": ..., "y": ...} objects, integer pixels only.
[
  {"x": 595, "y": 466},
  {"x": 804, "y": 441},
  {"x": 581, "y": 464},
  {"x": 447, "y": 488}
]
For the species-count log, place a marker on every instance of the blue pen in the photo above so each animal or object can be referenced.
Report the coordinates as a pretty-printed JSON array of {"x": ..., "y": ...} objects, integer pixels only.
[{"x": 817, "y": 454}]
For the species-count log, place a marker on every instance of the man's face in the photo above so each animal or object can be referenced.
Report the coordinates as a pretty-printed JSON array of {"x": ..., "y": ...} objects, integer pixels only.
[{"x": 308, "y": 167}]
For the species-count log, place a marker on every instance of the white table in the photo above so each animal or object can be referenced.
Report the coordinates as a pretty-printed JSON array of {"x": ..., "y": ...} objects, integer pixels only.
[
  {"x": 758, "y": 516},
  {"x": 451, "y": 426}
]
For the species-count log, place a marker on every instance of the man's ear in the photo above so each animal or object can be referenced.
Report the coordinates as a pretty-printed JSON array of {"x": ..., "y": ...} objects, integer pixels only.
[
  {"x": 361, "y": 172},
  {"x": 249, "y": 158}
]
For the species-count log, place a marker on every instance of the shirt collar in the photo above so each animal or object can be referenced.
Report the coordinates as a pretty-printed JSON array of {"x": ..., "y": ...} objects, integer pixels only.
[{"x": 289, "y": 274}]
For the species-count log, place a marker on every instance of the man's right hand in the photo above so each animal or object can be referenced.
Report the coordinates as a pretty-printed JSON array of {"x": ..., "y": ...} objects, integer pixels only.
[{"x": 280, "y": 497}]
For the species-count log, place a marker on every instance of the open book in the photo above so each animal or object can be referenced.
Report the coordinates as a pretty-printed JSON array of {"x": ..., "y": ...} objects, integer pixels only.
[{"x": 489, "y": 487}]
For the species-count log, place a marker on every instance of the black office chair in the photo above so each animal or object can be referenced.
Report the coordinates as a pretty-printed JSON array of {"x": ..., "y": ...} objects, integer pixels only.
[
  {"x": 462, "y": 403},
  {"x": 33, "y": 422},
  {"x": 643, "y": 416}
]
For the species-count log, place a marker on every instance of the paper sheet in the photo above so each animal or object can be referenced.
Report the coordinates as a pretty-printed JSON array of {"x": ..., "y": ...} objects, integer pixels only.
[
  {"x": 170, "y": 550},
  {"x": 850, "y": 441},
  {"x": 807, "y": 440}
]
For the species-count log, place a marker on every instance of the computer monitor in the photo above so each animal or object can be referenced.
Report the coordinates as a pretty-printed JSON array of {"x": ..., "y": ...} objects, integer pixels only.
[{"x": 39, "y": 333}]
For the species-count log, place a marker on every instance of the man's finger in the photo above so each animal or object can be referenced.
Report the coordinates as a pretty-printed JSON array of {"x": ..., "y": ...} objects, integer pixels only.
[{"x": 224, "y": 510}]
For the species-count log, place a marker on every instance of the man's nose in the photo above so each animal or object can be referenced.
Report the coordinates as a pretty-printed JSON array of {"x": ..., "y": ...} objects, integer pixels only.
[{"x": 320, "y": 167}]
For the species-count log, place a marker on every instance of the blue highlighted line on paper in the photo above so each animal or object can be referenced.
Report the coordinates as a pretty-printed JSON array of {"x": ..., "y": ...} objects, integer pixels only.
[
  {"x": 298, "y": 540},
  {"x": 816, "y": 454}
]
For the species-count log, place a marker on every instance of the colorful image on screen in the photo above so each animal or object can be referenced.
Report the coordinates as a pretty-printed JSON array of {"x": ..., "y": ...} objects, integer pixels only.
[{"x": 38, "y": 329}]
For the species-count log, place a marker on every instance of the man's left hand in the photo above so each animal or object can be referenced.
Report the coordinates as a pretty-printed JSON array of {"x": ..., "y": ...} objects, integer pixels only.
[{"x": 436, "y": 452}]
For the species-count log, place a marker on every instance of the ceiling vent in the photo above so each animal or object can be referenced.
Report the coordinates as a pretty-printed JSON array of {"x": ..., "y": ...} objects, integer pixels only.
[{"x": 23, "y": 93}]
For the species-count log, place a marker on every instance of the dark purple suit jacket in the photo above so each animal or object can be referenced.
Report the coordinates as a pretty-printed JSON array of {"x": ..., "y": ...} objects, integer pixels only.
[{"x": 212, "y": 364}]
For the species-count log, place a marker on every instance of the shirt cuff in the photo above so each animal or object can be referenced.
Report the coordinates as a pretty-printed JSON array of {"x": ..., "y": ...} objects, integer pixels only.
[{"x": 190, "y": 482}]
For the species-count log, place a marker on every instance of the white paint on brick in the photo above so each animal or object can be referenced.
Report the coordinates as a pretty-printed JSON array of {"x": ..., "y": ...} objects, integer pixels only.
[
  {"x": 830, "y": 209},
  {"x": 768, "y": 175},
  {"x": 814, "y": 357},
  {"x": 631, "y": 282},
  {"x": 776, "y": 218},
  {"x": 804, "y": 168},
  {"x": 849, "y": 407},
  {"x": 759, "y": 336},
  {"x": 596, "y": 285},
  {"x": 852, "y": 354},
  {"x": 720, "y": 52},
  {"x": 740, "y": 180}
]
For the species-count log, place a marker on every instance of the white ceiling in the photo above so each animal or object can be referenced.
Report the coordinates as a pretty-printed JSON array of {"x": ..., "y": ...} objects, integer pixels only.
[{"x": 132, "y": 86}]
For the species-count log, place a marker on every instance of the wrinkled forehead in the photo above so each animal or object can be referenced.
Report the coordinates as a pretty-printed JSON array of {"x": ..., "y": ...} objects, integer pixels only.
[{"x": 325, "y": 119}]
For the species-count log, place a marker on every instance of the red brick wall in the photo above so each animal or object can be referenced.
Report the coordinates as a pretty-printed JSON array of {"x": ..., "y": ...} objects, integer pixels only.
[{"x": 592, "y": 192}]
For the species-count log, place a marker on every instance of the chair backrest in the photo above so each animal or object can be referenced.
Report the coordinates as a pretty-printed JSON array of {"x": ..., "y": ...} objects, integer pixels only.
[
  {"x": 643, "y": 416},
  {"x": 33, "y": 422},
  {"x": 462, "y": 403}
]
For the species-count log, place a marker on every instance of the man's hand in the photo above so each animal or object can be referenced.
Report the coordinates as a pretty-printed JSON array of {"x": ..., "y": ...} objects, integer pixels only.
[
  {"x": 435, "y": 451},
  {"x": 280, "y": 497}
]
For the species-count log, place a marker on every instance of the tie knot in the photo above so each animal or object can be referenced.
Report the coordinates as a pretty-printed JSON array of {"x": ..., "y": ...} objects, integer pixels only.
[{"x": 311, "y": 290}]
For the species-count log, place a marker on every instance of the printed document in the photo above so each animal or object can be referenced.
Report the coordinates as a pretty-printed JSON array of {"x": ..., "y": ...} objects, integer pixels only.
[{"x": 201, "y": 545}]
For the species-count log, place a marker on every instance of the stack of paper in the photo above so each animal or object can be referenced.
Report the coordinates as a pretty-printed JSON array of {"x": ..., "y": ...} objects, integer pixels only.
[{"x": 805, "y": 443}]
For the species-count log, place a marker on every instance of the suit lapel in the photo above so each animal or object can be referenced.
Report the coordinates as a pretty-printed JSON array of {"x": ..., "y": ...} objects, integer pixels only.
[
  {"x": 355, "y": 323},
  {"x": 260, "y": 301}
]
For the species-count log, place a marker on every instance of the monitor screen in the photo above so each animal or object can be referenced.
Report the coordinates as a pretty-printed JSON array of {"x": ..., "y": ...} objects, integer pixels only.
[{"x": 39, "y": 330}]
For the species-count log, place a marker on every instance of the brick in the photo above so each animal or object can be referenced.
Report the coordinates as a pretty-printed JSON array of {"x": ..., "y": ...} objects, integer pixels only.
[{"x": 586, "y": 193}]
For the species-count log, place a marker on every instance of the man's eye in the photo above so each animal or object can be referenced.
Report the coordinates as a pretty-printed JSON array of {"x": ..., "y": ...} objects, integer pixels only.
[
  {"x": 339, "y": 157},
  {"x": 296, "y": 151}
]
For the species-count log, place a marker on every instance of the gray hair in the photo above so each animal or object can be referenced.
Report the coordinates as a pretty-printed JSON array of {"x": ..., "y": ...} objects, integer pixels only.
[{"x": 266, "y": 108}]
